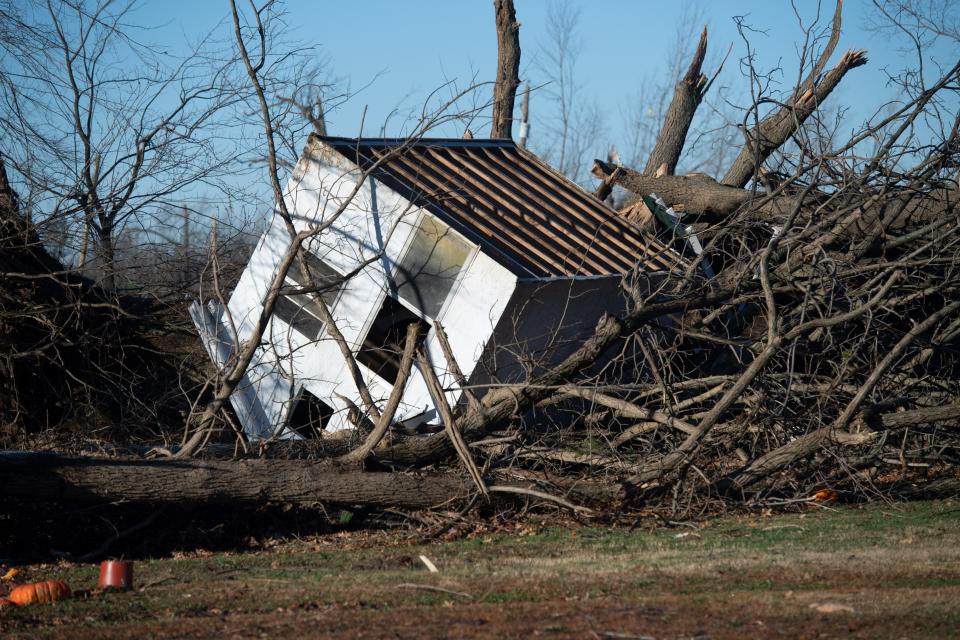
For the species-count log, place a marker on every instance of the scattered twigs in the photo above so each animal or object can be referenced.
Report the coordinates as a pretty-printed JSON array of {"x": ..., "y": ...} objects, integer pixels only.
[
  {"x": 524, "y": 491},
  {"x": 429, "y": 587}
]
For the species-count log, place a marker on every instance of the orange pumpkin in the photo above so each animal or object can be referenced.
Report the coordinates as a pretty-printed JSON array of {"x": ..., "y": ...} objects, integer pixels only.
[
  {"x": 6, "y": 603},
  {"x": 826, "y": 495},
  {"x": 48, "y": 591}
]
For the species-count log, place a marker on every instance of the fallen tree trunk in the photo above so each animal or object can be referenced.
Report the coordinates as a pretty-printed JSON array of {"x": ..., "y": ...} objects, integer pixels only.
[
  {"x": 55, "y": 478},
  {"x": 50, "y": 477},
  {"x": 706, "y": 200},
  {"x": 697, "y": 193}
]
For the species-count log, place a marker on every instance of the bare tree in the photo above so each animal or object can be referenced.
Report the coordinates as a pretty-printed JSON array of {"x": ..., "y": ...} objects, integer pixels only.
[
  {"x": 101, "y": 129},
  {"x": 250, "y": 31},
  {"x": 572, "y": 124}
]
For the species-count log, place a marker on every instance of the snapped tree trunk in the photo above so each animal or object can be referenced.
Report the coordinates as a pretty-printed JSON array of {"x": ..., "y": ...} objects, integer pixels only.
[
  {"x": 687, "y": 96},
  {"x": 508, "y": 69},
  {"x": 775, "y": 129}
]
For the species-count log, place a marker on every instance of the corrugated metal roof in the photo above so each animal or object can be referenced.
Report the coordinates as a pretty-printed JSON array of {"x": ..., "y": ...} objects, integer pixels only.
[{"x": 536, "y": 221}]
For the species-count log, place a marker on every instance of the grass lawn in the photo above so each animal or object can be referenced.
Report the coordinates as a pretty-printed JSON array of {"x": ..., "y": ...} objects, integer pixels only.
[{"x": 878, "y": 571}]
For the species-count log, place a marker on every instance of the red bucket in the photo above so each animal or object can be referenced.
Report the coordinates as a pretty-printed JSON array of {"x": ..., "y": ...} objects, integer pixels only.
[{"x": 116, "y": 574}]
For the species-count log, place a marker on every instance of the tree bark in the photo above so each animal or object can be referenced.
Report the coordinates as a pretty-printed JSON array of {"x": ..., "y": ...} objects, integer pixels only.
[
  {"x": 54, "y": 478},
  {"x": 508, "y": 69},
  {"x": 696, "y": 193},
  {"x": 40, "y": 476},
  {"x": 687, "y": 96},
  {"x": 107, "y": 257}
]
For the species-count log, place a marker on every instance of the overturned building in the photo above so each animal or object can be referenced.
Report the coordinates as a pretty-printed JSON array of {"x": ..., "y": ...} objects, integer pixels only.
[{"x": 516, "y": 262}]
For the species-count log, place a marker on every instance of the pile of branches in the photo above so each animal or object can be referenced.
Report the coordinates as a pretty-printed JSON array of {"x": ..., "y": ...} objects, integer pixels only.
[
  {"x": 76, "y": 361},
  {"x": 812, "y": 344},
  {"x": 814, "y": 339}
]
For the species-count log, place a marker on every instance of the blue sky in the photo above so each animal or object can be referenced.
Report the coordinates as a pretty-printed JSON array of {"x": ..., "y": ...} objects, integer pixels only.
[{"x": 393, "y": 53}]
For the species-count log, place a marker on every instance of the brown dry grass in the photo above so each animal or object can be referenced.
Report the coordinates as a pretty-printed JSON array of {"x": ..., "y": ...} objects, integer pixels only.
[{"x": 896, "y": 566}]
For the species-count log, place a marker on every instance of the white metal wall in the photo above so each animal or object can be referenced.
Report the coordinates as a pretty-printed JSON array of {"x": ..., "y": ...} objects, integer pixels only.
[{"x": 369, "y": 234}]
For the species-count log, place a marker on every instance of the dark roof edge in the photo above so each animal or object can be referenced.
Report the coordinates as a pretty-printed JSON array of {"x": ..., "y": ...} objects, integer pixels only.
[
  {"x": 421, "y": 141},
  {"x": 605, "y": 276}
]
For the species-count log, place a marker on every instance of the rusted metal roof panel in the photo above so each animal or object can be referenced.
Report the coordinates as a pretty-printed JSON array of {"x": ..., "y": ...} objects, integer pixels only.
[{"x": 526, "y": 214}]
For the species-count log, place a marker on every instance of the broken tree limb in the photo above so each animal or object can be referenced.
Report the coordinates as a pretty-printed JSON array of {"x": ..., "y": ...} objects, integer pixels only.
[
  {"x": 449, "y": 421},
  {"x": 682, "y": 454},
  {"x": 237, "y": 368},
  {"x": 396, "y": 394},
  {"x": 627, "y": 409},
  {"x": 687, "y": 96},
  {"x": 775, "y": 129},
  {"x": 913, "y": 417},
  {"x": 508, "y": 69},
  {"x": 807, "y": 444},
  {"x": 697, "y": 193},
  {"x": 824, "y": 57},
  {"x": 605, "y": 188},
  {"x": 634, "y": 431},
  {"x": 579, "y": 490},
  {"x": 348, "y": 358},
  {"x": 524, "y": 491}
]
